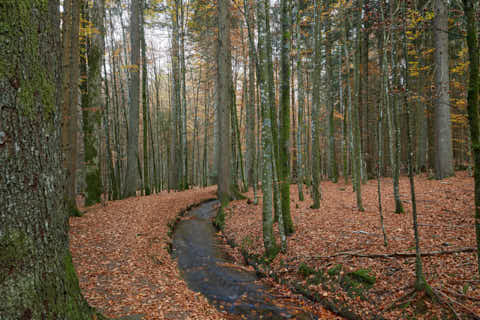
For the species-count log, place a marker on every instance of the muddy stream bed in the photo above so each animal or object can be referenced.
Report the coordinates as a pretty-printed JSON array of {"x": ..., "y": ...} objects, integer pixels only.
[{"x": 207, "y": 269}]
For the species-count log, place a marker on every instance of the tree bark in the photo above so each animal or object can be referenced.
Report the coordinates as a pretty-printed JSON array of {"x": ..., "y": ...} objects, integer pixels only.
[
  {"x": 266, "y": 129},
  {"x": 420, "y": 282},
  {"x": 443, "y": 132},
  {"x": 331, "y": 151},
  {"x": 134, "y": 96},
  {"x": 357, "y": 161},
  {"x": 176, "y": 164},
  {"x": 224, "y": 101},
  {"x": 301, "y": 106},
  {"x": 316, "y": 194},
  {"x": 93, "y": 107},
  {"x": 146, "y": 168},
  {"x": 473, "y": 88},
  {"x": 37, "y": 277},
  {"x": 284, "y": 143},
  {"x": 71, "y": 64},
  {"x": 250, "y": 118}
]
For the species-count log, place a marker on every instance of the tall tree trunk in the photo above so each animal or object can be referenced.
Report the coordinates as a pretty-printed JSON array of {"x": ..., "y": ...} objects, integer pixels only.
[
  {"x": 368, "y": 113},
  {"x": 196, "y": 144},
  {"x": 393, "y": 126},
  {"x": 420, "y": 282},
  {"x": 183, "y": 112},
  {"x": 134, "y": 92},
  {"x": 146, "y": 168},
  {"x": 224, "y": 101},
  {"x": 267, "y": 143},
  {"x": 443, "y": 132},
  {"x": 94, "y": 104},
  {"x": 205, "y": 138},
  {"x": 316, "y": 194},
  {"x": 331, "y": 158},
  {"x": 71, "y": 63},
  {"x": 357, "y": 162},
  {"x": 473, "y": 88},
  {"x": 284, "y": 141},
  {"x": 113, "y": 189},
  {"x": 381, "y": 105},
  {"x": 270, "y": 86},
  {"x": 37, "y": 277},
  {"x": 175, "y": 167},
  {"x": 250, "y": 117},
  {"x": 301, "y": 106}
]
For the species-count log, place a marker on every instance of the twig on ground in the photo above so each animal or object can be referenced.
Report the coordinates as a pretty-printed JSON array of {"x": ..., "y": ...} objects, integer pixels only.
[
  {"x": 444, "y": 226},
  {"x": 460, "y": 295},
  {"x": 395, "y": 254}
]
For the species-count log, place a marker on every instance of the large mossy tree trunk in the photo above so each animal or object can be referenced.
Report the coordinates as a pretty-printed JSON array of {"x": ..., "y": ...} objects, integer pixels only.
[
  {"x": 37, "y": 278},
  {"x": 473, "y": 88}
]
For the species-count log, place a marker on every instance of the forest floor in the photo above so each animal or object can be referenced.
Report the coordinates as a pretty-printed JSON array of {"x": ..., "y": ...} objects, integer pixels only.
[
  {"x": 337, "y": 255},
  {"x": 123, "y": 265},
  {"x": 121, "y": 255}
]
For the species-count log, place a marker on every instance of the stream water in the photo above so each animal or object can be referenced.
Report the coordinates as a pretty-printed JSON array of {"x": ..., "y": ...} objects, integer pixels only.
[{"x": 205, "y": 268}]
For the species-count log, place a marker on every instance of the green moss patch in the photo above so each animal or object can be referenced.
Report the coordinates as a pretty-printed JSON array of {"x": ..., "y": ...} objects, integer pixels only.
[
  {"x": 14, "y": 246},
  {"x": 354, "y": 283}
]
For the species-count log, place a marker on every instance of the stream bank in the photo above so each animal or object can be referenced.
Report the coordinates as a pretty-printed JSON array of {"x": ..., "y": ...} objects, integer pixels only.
[{"x": 207, "y": 269}]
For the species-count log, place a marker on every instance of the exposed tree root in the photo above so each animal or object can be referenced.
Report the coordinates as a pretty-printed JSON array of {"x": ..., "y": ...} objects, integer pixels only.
[
  {"x": 396, "y": 303},
  {"x": 449, "y": 301},
  {"x": 436, "y": 296}
]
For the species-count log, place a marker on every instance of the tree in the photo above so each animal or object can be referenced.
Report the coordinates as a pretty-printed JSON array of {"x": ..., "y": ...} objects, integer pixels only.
[
  {"x": 224, "y": 101},
  {"x": 331, "y": 158},
  {"x": 420, "y": 282},
  {"x": 267, "y": 137},
  {"x": 301, "y": 103},
  {"x": 393, "y": 123},
  {"x": 134, "y": 94},
  {"x": 175, "y": 167},
  {"x": 250, "y": 116},
  {"x": 146, "y": 168},
  {"x": 37, "y": 277},
  {"x": 284, "y": 143},
  {"x": 357, "y": 161},
  {"x": 473, "y": 88},
  {"x": 71, "y": 64},
  {"x": 316, "y": 193},
  {"x": 93, "y": 101},
  {"x": 443, "y": 132}
]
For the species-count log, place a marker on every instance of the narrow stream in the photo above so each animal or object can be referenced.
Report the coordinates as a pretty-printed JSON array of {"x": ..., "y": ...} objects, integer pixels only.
[{"x": 203, "y": 266}]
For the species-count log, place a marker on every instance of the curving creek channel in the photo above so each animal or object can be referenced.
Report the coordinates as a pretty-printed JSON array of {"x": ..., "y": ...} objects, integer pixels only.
[{"x": 205, "y": 268}]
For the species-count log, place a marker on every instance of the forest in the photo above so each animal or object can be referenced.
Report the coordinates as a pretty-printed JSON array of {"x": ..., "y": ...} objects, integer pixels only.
[{"x": 239, "y": 159}]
